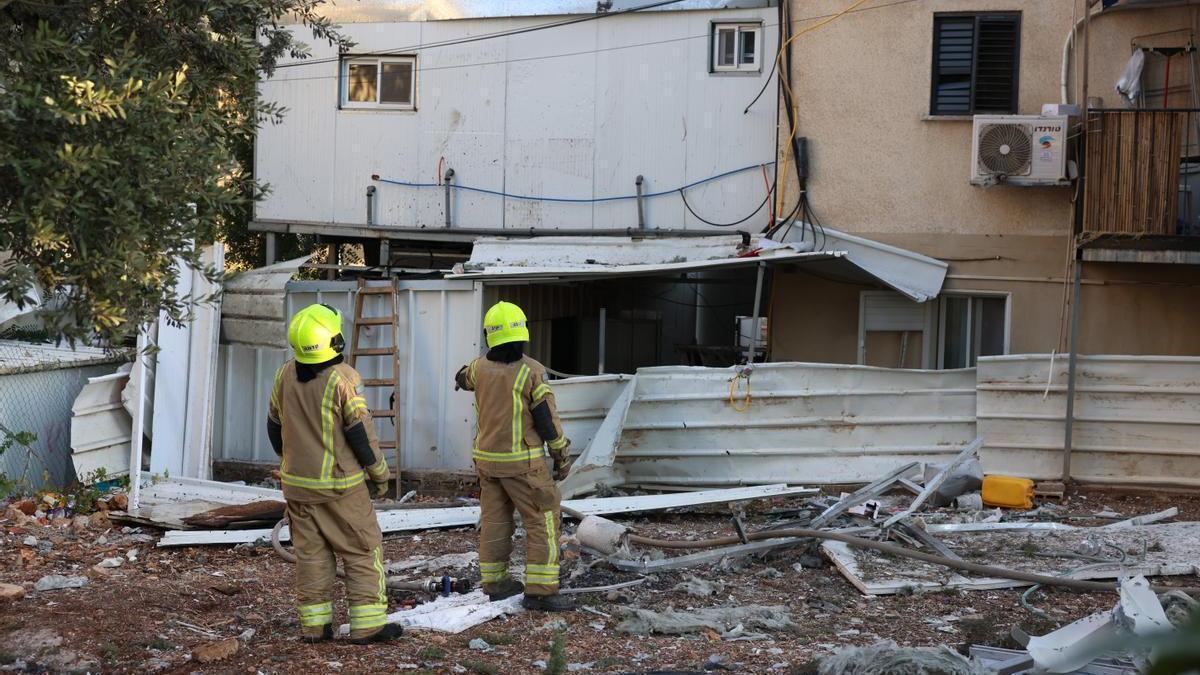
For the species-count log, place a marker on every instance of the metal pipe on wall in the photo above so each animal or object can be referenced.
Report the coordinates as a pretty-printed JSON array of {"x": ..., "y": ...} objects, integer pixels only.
[
  {"x": 446, "y": 181},
  {"x": 1072, "y": 361},
  {"x": 371, "y": 205},
  {"x": 640, "y": 208}
]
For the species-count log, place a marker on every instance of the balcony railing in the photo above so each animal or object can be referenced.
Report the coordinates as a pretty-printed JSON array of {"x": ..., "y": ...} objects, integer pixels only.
[{"x": 1143, "y": 173}]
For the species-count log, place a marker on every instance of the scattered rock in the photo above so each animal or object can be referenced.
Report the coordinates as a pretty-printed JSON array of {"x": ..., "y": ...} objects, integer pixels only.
[
  {"x": 539, "y": 664},
  {"x": 16, "y": 515},
  {"x": 100, "y": 521},
  {"x": 26, "y": 506},
  {"x": 156, "y": 664},
  {"x": 118, "y": 502},
  {"x": 211, "y": 652},
  {"x": 718, "y": 662},
  {"x": 10, "y": 592},
  {"x": 225, "y": 587},
  {"x": 479, "y": 644},
  {"x": 576, "y": 667},
  {"x": 768, "y": 573},
  {"x": 555, "y": 625},
  {"x": 54, "y": 582},
  {"x": 80, "y": 523},
  {"x": 30, "y": 541},
  {"x": 132, "y": 555},
  {"x": 62, "y": 522},
  {"x": 110, "y": 562},
  {"x": 701, "y": 588},
  {"x": 101, "y": 540},
  {"x": 247, "y": 635}
]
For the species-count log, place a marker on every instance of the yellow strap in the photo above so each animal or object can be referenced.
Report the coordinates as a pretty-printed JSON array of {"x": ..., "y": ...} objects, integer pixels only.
[
  {"x": 558, "y": 443},
  {"x": 328, "y": 408},
  {"x": 745, "y": 405},
  {"x": 356, "y": 403},
  {"x": 518, "y": 411},
  {"x": 540, "y": 391},
  {"x": 382, "y": 578},
  {"x": 551, "y": 541}
]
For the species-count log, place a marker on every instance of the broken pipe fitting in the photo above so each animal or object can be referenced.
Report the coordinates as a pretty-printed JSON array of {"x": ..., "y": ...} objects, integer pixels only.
[{"x": 601, "y": 534}]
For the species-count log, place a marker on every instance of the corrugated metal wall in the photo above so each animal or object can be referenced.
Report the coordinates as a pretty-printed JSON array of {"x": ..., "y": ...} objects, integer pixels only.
[
  {"x": 439, "y": 332},
  {"x": 1137, "y": 418},
  {"x": 578, "y": 111},
  {"x": 40, "y": 402},
  {"x": 805, "y": 423}
]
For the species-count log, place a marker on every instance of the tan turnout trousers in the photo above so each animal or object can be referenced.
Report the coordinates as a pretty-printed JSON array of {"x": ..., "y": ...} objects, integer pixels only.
[
  {"x": 328, "y": 505},
  {"x": 510, "y": 461}
]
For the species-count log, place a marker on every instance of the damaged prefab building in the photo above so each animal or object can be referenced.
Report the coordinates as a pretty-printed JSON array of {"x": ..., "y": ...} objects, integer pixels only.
[{"x": 609, "y": 168}]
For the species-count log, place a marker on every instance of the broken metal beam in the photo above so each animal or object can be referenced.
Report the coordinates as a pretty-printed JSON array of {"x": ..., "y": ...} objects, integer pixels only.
[
  {"x": 934, "y": 483},
  {"x": 863, "y": 494},
  {"x": 931, "y": 542},
  {"x": 1146, "y": 519},
  {"x": 693, "y": 559}
]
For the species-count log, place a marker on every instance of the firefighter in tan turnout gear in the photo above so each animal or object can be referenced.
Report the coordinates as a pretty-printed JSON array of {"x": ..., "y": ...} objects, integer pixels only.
[
  {"x": 517, "y": 421},
  {"x": 331, "y": 468}
]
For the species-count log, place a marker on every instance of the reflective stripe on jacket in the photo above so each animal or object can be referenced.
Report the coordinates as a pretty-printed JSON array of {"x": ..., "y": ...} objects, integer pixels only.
[
  {"x": 318, "y": 464},
  {"x": 505, "y": 395}
]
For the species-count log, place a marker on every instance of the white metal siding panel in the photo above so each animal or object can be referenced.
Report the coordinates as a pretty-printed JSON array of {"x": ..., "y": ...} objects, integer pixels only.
[
  {"x": 719, "y": 136},
  {"x": 295, "y": 156},
  {"x": 641, "y": 103},
  {"x": 582, "y": 404},
  {"x": 1137, "y": 418},
  {"x": 550, "y": 127},
  {"x": 806, "y": 423},
  {"x": 527, "y": 114},
  {"x": 436, "y": 338}
]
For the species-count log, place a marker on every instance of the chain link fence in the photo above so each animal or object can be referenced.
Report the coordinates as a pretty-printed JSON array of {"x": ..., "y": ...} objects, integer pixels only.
[{"x": 38, "y": 385}]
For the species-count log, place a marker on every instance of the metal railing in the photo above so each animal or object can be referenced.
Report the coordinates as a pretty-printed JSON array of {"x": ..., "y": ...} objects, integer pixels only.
[{"x": 1143, "y": 172}]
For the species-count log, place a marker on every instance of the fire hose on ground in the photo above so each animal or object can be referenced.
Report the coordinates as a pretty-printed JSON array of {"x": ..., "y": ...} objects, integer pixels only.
[{"x": 604, "y": 535}]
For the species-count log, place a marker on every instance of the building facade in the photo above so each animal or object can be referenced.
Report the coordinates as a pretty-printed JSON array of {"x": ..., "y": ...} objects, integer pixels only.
[{"x": 884, "y": 95}]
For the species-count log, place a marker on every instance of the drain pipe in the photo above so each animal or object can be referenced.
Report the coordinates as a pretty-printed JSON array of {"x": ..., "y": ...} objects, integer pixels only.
[
  {"x": 446, "y": 181},
  {"x": 370, "y": 205},
  {"x": 641, "y": 211}
]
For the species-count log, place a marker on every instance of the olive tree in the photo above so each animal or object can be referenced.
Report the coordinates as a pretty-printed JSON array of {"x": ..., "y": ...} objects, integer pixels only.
[{"x": 126, "y": 129}]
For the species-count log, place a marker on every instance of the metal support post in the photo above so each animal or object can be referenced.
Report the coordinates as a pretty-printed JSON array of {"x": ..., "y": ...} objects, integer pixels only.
[
  {"x": 603, "y": 318},
  {"x": 1071, "y": 363},
  {"x": 270, "y": 246},
  {"x": 757, "y": 330}
]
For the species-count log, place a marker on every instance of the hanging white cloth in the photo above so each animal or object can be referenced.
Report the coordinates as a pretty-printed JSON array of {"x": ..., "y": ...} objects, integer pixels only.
[{"x": 1129, "y": 85}]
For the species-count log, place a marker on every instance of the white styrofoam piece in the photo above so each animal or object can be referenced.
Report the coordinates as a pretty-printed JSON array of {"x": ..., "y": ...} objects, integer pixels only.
[
  {"x": 402, "y": 520},
  {"x": 453, "y": 613}
]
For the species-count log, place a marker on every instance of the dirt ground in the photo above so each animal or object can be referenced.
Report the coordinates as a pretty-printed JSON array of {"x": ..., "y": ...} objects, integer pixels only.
[{"x": 150, "y": 613}]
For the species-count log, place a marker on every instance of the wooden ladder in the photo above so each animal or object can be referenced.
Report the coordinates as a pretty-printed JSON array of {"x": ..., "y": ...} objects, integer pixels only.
[{"x": 392, "y": 351}]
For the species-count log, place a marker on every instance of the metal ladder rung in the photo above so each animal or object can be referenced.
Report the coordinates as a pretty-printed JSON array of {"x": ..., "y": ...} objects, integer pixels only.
[
  {"x": 383, "y": 413},
  {"x": 387, "y": 445},
  {"x": 372, "y": 290},
  {"x": 378, "y": 383}
]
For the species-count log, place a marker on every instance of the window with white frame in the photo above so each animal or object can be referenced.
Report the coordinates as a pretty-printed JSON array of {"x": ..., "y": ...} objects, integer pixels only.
[
  {"x": 737, "y": 47},
  {"x": 379, "y": 82},
  {"x": 950, "y": 331}
]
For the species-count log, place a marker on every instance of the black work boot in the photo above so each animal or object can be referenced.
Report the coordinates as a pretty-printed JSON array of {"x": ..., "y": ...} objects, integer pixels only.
[
  {"x": 325, "y": 634},
  {"x": 504, "y": 589},
  {"x": 548, "y": 603},
  {"x": 390, "y": 631}
]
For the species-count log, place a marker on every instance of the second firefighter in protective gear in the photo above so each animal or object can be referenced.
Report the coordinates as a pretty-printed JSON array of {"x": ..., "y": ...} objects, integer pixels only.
[
  {"x": 320, "y": 426},
  {"x": 518, "y": 426}
]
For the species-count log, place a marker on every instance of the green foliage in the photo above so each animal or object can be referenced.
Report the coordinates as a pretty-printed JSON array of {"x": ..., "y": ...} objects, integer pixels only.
[
  {"x": 126, "y": 132},
  {"x": 557, "y": 663},
  {"x": 11, "y": 486},
  {"x": 432, "y": 653},
  {"x": 480, "y": 667}
]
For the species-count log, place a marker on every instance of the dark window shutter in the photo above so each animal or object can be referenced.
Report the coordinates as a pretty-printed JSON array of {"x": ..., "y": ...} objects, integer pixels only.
[
  {"x": 975, "y": 64},
  {"x": 996, "y": 65},
  {"x": 953, "y": 58}
]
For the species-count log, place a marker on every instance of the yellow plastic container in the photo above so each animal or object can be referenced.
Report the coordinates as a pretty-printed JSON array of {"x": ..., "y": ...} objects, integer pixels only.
[{"x": 1008, "y": 492}]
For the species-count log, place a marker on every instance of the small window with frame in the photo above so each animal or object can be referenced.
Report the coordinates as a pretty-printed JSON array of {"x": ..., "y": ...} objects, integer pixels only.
[
  {"x": 737, "y": 47},
  {"x": 385, "y": 83}
]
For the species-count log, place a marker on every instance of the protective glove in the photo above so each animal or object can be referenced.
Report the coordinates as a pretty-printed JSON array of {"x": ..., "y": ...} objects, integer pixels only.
[
  {"x": 377, "y": 488},
  {"x": 562, "y": 462}
]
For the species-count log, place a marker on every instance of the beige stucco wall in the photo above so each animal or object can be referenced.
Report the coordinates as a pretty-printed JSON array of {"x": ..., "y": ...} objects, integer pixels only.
[
  {"x": 880, "y": 167},
  {"x": 879, "y": 163}
]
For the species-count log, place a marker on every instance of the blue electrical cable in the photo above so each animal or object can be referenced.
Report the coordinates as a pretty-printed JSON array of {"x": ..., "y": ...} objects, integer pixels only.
[{"x": 569, "y": 200}]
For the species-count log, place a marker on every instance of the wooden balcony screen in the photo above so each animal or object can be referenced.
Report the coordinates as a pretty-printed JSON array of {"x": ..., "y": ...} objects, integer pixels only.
[{"x": 1132, "y": 171}]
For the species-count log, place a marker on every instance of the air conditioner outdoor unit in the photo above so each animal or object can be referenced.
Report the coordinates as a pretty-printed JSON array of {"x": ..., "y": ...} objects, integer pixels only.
[{"x": 1019, "y": 150}]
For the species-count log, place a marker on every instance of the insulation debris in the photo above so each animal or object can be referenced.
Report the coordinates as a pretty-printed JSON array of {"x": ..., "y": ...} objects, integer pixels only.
[
  {"x": 700, "y": 588},
  {"x": 885, "y": 658},
  {"x": 722, "y": 620},
  {"x": 453, "y": 614}
]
